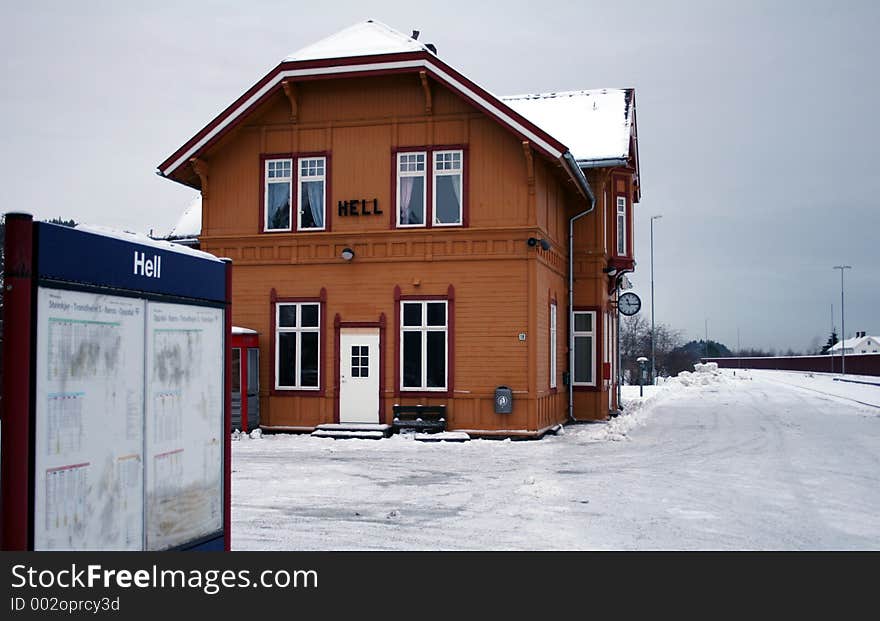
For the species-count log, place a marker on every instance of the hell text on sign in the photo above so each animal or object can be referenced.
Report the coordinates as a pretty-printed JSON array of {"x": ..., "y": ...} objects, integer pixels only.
[{"x": 360, "y": 207}]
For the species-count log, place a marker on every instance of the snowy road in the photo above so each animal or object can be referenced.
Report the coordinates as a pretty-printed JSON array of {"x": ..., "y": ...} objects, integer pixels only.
[{"x": 733, "y": 464}]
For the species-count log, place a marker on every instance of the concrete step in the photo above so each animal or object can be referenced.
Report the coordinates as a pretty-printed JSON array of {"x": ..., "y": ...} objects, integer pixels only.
[
  {"x": 366, "y": 431},
  {"x": 443, "y": 436}
]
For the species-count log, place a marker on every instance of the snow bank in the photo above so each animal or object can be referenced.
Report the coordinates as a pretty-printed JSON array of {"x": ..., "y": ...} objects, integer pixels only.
[{"x": 636, "y": 409}]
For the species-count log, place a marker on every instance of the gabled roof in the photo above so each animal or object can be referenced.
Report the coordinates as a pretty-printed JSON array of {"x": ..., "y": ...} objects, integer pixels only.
[
  {"x": 363, "y": 39},
  {"x": 596, "y": 124},
  {"x": 383, "y": 50},
  {"x": 853, "y": 343}
]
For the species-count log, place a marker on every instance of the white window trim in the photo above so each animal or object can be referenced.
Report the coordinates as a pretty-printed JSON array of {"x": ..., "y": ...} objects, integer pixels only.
[
  {"x": 621, "y": 215},
  {"x": 446, "y": 173},
  {"x": 605, "y": 223},
  {"x": 424, "y": 175},
  {"x": 592, "y": 335},
  {"x": 266, "y": 181},
  {"x": 300, "y": 179},
  {"x": 298, "y": 330},
  {"x": 424, "y": 329},
  {"x": 553, "y": 345}
]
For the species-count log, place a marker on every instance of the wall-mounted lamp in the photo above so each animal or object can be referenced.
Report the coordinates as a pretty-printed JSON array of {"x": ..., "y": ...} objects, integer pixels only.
[
  {"x": 532, "y": 241},
  {"x": 347, "y": 254}
]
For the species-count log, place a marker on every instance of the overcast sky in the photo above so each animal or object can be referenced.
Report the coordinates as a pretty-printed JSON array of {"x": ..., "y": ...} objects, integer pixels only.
[{"x": 757, "y": 121}]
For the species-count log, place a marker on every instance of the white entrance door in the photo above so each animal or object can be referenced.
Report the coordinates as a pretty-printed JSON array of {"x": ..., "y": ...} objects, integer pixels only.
[{"x": 359, "y": 375}]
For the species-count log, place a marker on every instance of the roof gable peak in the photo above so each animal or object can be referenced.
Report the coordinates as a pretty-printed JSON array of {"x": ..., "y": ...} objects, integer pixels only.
[{"x": 367, "y": 38}]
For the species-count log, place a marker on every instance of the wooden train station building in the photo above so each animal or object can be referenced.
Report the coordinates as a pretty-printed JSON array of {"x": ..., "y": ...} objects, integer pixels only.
[{"x": 401, "y": 236}]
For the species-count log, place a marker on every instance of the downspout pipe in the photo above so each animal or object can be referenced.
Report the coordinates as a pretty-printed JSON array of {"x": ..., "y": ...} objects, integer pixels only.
[{"x": 585, "y": 185}]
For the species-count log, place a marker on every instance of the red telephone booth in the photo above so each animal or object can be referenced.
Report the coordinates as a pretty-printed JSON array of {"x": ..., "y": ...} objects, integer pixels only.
[{"x": 245, "y": 379}]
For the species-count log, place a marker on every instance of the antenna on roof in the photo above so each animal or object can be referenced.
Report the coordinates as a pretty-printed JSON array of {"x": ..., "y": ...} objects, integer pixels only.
[{"x": 415, "y": 34}]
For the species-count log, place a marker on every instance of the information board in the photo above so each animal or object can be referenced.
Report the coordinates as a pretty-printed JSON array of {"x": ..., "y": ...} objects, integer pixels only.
[
  {"x": 184, "y": 423},
  {"x": 88, "y": 459},
  {"x": 116, "y": 403}
]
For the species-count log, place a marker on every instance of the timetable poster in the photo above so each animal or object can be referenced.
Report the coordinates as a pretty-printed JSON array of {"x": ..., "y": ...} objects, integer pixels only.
[
  {"x": 184, "y": 423},
  {"x": 88, "y": 487}
]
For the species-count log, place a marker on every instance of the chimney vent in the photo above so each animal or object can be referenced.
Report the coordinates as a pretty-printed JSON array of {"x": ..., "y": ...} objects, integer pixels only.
[{"x": 415, "y": 34}]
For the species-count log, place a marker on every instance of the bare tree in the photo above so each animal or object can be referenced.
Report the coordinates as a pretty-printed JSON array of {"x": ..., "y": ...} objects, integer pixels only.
[{"x": 635, "y": 341}]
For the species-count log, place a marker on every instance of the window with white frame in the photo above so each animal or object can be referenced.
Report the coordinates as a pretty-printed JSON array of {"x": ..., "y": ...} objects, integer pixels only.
[
  {"x": 424, "y": 350},
  {"x": 553, "y": 345},
  {"x": 621, "y": 225},
  {"x": 448, "y": 187},
  {"x": 297, "y": 345},
  {"x": 584, "y": 335},
  {"x": 411, "y": 190},
  {"x": 311, "y": 199},
  {"x": 278, "y": 177}
]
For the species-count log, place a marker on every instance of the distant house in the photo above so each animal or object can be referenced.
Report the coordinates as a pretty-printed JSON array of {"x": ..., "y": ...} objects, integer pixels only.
[{"x": 861, "y": 343}]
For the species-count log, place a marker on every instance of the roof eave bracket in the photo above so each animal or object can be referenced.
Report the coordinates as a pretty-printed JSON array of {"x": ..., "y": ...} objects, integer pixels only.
[{"x": 290, "y": 90}]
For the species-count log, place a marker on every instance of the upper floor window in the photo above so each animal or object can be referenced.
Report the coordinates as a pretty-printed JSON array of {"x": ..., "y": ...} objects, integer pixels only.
[
  {"x": 621, "y": 226},
  {"x": 312, "y": 186},
  {"x": 277, "y": 194},
  {"x": 310, "y": 194},
  {"x": 411, "y": 190},
  {"x": 435, "y": 200},
  {"x": 447, "y": 187}
]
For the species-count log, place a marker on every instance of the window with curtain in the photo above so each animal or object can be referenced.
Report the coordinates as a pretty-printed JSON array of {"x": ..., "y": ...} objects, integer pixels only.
[
  {"x": 448, "y": 181},
  {"x": 297, "y": 351},
  {"x": 424, "y": 351},
  {"x": 584, "y": 333},
  {"x": 411, "y": 189},
  {"x": 312, "y": 186},
  {"x": 277, "y": 192}
]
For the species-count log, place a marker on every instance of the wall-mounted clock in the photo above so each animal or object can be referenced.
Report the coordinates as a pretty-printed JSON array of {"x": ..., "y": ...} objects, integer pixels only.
[{"x": 629, "y": 303}]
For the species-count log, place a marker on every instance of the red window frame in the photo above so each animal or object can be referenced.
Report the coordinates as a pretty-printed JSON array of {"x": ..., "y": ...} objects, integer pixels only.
[
  {"x": 628, "y": 234},
  {"x": 449, "y": 298},
  {"x": 429, "y": 185},
  {"x": 598, "y": 370},
  {"x": 321, "y": 300},
  {"x": 294, "y": 192}
]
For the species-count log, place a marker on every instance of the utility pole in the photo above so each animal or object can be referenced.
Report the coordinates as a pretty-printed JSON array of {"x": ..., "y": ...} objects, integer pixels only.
[
  {"x": 707, "y": 337},
  {"x": 842, "y": 320},
  {"x": 653, "y": 358},
  {"x": 739, "y": 349}
]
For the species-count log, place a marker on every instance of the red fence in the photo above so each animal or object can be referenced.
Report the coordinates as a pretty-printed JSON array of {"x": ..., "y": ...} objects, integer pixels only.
[{"x": 856, "y": 364}]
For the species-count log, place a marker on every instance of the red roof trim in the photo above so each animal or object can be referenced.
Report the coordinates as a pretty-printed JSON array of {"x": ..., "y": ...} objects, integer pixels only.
[{"x": 432, "y": 64}]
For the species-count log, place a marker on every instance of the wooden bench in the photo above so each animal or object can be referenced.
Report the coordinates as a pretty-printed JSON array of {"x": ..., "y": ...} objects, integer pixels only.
[{"x": 419, "y": 418}]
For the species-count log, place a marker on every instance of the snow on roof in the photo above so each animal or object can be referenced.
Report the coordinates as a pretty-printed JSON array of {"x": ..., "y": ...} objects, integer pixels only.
[
  {"x": 363, "y": 39},
  {"x": 189, "y": 225},
  {"x": 594, "y": 124},
  {"x": 853, "y": 342},
  {"x": 239, "y": 330},
  {"x": 140, "y": 238}
]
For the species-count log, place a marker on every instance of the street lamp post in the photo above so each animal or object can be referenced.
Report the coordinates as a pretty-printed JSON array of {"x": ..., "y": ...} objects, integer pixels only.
[
  {"x": 842, "y": 320},
  {"x": 653, "y": 360}
]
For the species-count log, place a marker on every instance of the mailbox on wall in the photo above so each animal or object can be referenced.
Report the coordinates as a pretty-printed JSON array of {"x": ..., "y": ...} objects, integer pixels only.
[{"x": 503, "y": 400}]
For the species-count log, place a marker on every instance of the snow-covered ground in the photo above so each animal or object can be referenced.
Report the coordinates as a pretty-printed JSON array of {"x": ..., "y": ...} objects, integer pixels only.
[{"x": 707, "y": 461}]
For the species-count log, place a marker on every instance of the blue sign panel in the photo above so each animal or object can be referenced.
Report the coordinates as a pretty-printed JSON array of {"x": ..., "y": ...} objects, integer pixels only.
[{"x": 86, "y": 257}]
